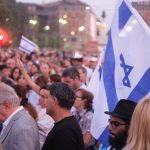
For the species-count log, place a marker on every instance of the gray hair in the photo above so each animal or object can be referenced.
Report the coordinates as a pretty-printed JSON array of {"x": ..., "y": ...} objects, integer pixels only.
[{"x": 8, "y": 94}]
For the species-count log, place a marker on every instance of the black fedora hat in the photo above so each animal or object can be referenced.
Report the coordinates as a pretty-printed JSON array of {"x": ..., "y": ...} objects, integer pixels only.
[{"x": 124, "y": 109}]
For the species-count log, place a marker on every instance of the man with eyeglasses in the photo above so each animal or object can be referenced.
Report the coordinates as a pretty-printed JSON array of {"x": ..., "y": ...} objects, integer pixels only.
[{"x": 119, "y": 123}]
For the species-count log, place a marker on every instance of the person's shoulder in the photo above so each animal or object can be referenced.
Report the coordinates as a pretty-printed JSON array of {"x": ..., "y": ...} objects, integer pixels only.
[
  {"x": 23, "y": 119},
  {"x": 67, "y": 123}
]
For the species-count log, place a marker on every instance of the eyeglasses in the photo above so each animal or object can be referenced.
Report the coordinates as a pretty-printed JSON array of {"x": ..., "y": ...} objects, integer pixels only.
[
  {"x": 115, "y": 124},
  {"x": 78, "y": 97}
]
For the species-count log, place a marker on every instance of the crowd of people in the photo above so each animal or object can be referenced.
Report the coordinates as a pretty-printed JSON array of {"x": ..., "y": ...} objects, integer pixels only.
[
  {"x": 45, "y": 104},
  {"x": 45, "y": 87}
]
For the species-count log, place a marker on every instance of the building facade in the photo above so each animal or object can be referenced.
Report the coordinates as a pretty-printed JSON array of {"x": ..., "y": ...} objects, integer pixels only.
[
  {"x": 143, "y": 7},
  {"x": 72, "y": 20}
]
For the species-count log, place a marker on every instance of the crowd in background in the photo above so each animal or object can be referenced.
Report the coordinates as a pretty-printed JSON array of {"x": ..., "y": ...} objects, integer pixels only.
[
  {"x": 28, "y": 74},
  {"x": 45, "y": 104}
]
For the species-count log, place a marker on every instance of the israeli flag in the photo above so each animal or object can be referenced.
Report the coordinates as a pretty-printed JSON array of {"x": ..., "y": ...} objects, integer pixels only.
[
  {"x": 26, "y": 45},
  {"x": 126, "y": 69}
]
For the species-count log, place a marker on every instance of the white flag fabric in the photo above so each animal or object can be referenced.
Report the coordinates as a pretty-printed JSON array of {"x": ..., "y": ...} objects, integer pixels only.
[
  {"x": 27, "y": 45},
  {"x": 126, "y": 69}
]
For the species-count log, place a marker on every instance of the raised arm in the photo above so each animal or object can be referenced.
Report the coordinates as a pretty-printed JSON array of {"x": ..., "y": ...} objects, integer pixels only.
[{"x": 31, "y": 83}]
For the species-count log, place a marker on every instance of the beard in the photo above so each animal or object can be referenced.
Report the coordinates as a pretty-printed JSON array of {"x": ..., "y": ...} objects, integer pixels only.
[{"x": 119, "y": 141}]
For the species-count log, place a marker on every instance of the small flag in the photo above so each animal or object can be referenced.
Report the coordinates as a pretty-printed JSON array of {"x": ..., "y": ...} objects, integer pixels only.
[{"x": 26, "y": 45}]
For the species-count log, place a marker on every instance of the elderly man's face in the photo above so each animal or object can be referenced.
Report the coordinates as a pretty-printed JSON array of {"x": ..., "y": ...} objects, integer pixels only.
[{"x": 2, "y": 112}]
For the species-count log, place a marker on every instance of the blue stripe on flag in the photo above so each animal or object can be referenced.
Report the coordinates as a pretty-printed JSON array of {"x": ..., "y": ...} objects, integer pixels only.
[
  {"x": 104, "y": 138},
  {"x": 23, "y": 48},
  {"x": 32, "y": 44},
  {"x": 108, "y": 75},
  {"x": 124, "y": 15},
  {"x": 142, "y": 88},
  {"x": 109, "y": 84}
]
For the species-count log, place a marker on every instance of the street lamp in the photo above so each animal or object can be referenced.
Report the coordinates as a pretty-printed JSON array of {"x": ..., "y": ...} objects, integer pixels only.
[
  {"x": 47, "y": 28},
  {"x": 82, "y": 28},
  {"x": 72, "y": 33},
  {"x": 65, "y": 16},
  {"x": 65, "y": 39},
  {"x": 63, "y": 21},
  {"x": 98, "y": 23},
  {"x": 87, "y": 8},
  {"x": 33, "y": 21}
]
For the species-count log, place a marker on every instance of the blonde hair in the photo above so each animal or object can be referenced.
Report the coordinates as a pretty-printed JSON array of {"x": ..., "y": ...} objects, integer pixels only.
[{"x": 139, "y": 131}]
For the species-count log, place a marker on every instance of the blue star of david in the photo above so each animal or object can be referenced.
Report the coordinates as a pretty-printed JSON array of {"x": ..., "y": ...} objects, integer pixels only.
[{"x": 127, "y": 70}]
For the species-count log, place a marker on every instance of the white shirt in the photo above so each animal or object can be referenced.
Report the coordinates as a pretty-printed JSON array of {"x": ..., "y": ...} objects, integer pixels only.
[
  {"x": 45, "y": 125},
  {"x": 33, "y": 98},
  {"x": 83, "y": 86},
  {"x": 89, "y": 74},
  {"x": 6, "y": 122}
]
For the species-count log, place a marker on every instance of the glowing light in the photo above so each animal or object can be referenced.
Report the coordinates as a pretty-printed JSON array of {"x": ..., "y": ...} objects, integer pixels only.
[
  {"x": 128, "y": 29},
  {"x": 134, "y": 21},
  {"x": 47, "y": 27},
  {"x": 65, "y": 39},
  {"x": 65, "y": 16},
  {"x": 72, "y": 33},
  {"x": 4, "y": 37},
  {"x": 82, "y": 28},
  {"x": 33, "y": 22},
  {"x": 1, "y": 37},
  {"x": 87, "y": 8},
  {"x": 98, "y": 23},
  {"x": 62, "y": 21}
]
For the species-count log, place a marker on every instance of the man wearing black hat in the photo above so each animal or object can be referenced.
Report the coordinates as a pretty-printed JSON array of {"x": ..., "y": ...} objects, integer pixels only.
[{"x": 119, "y": 123}]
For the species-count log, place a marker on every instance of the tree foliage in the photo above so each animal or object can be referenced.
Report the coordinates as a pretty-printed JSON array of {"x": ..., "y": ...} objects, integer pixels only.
[{"x": 14, "y": 18}]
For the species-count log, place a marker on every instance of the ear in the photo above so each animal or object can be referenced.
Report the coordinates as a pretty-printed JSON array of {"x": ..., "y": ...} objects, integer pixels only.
[
  {"x": 55, "y": 100},
  {"x": 7, "y": 105}
]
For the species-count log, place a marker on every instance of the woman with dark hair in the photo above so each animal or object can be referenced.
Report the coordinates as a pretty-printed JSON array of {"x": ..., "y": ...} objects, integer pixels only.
[
  {"x": 15, "y": 74},
  {"x": 34, "y": 69},
  {"x": 84, "y": 115},
  {"x": 44, "y": 121},
  {"x": 55, "y": 78},
  {"x": 21, "y": 92}
]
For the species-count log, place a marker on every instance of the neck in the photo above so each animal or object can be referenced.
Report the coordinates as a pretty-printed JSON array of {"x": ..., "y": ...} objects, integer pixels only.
[
  {"x": 10, "y": 112},
  {"x": 61, "y": 114},
  {"x": 80, "y": 109},
  {"x": 78, "y": 84}
]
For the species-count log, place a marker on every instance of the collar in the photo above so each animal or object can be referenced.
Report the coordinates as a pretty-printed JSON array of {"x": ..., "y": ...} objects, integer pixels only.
[
  {"x": 82, "y": 112},
  {"x": 5, "y": 123}
]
